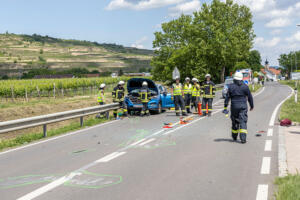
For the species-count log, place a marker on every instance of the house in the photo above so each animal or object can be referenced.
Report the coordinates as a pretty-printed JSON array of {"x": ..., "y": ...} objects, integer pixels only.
[
  {"x": 91, "y": 75},
  {"x": 271, "y": 72}
]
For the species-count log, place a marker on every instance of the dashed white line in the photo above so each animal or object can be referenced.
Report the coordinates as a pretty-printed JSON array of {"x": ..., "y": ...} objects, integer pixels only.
[
  {"x": 48, "y": 187},
  {"x": 266, "y": 164},
  {"x": 268, "y": 145},
  {"x": 133, "y": 144},
  {"x": 270, "y": 132},
  {"x": 146, "y": 142},
  {"x": 110, "y": 157},
  {"x": 262, "y": 192}
]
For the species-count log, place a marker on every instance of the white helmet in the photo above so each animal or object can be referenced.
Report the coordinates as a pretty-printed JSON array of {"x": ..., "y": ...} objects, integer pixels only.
[
  {"x": 207, "y": 75},
  {"x": 121, "y": 83},
  {"x": 238, "y": 76},
  {"x": 187, "y": 79},
  {"x": 145, "y": 83},
  {"x": 177, "y": 78},
  {"x": 195, "y": 80},
  {"x": 102, "y": 85}
]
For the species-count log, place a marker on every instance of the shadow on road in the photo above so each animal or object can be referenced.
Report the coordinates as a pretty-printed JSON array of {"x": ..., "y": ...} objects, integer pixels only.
[
  {"x": 294, "y": 132},
  {"x": 226, "y": 140}
]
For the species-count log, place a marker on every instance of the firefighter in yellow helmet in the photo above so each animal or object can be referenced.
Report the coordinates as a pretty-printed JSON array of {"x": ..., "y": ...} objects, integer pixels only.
[
  {"x": 145, "y": 98},
  {"x": 177, "y": 94},
  {"x": 208, "y": 91},
  {"x": 187, "y": 90},
  {"x": 118, "y": 95}
]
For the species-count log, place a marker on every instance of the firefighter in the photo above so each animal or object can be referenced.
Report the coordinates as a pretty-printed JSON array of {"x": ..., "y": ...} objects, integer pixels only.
[
  {"x": 145, "y": 98},
  {"x": 101, "y": 100},
  {"x": 195, "y": 94},
  {"x": 118, "y": 95},
  {"x": 239, "y": 93},
  {"x": 208, "y": 91},
  {"x": 177, "y": 95},
  {"x": 187, "y": 90}
]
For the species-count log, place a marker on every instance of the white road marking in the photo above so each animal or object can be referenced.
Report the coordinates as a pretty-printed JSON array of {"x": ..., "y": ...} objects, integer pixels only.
[
  {"x": 133, "y": 144},
  {"x": 270, "y": 132},
  {"x": 148, "y": 141},
  {"x": 260, "y": 91},
  {"x": 55, "y": 138},
  {"x": 48, "y": 187},
  {"x": 272, "y": 120},
  {"x": 266, "y": 164},
  {"x": 110, "y": 157},
  {"x": 268, "y": 145},
  {"x": 262, "y": 192}
]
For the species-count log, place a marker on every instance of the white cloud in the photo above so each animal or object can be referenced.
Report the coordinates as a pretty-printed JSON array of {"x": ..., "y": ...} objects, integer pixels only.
[
  {"x": 276, "y": 31},
  {"x": 140, "y": 5},
  {"x": 278, "y": 23},
  {"x": 261, "y": 42},
  {"x": 185, "y": 8},
  {"x": 294, "y": 38},
  {"x": 139, "y": 43}
]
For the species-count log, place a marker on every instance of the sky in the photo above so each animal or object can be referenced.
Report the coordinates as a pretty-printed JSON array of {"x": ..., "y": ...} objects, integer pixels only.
[{"x": 133, "y": 22}]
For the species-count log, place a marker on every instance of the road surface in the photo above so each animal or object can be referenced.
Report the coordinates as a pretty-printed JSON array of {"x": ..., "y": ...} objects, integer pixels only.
[{"x": 136, "y": 158}]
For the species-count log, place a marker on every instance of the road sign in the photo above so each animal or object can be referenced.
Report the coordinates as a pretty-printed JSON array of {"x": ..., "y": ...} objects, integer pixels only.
[
  {"x": 175, "y": 73},
  {"x": 295, "y": 75}
]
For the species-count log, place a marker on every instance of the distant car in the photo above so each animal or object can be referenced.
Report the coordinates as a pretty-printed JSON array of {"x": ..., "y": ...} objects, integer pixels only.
[
  {"x": 160, "y": 99},
  {"x": 225, "y": 89}
]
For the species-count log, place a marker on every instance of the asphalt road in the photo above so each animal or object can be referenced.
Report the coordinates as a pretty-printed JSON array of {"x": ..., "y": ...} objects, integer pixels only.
[{"x": 136, "y": 158}]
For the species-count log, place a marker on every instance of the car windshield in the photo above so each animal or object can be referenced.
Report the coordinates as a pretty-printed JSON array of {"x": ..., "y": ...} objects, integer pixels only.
[
  {"x": 228, "y": 81},
  {"x": 245, "y": 75}
]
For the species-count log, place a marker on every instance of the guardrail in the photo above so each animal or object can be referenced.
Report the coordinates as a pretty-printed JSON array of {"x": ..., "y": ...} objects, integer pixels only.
[{"x": 43, "y": 120}]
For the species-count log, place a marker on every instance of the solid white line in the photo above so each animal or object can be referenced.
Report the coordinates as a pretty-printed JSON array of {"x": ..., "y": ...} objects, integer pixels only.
[
  {"x": 55, "y": 138},
  {"x": 266, "y": 164},
  {"x": 259, "y": 92},
  {"x": 270, "y": 132},
  {"x": 48, "y": 187},
  {"x": 262, "y": 192},
  {"x": 268, "y": 145},
  {"x": 133, "y": 144},
  {"x": 272, "y": 120},
  {"x": 148, "y": 141},
  {"x": 110, "y": 157}
]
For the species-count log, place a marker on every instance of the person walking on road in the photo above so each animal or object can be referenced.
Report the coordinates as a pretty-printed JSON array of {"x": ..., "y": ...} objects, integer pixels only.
[
  {"x": 208, "y": 90},
  {"x": 177, "y": 94},
  {"x": 145, "y": 98},
  {"x": 239, "y": 93},
  {"x": 118, "y": 95},
  {"x": 101, "y": 100},
  {"x": 196, "y": 92},
  {"x": 187, "y": 90}
]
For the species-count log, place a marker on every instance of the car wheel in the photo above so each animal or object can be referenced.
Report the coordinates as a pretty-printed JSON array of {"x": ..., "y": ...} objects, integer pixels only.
[{"x": 159, "y": 109}]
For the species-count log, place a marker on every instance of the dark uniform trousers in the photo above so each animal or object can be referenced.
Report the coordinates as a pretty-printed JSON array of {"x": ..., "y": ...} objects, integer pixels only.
[
  {"x": 239, "y": 118},
  {"x": 179, "y": 102},
  {"x": 209, "y": 102},
  {"x": 145, "y": 109},
  {"x": 187, "y": 101}
]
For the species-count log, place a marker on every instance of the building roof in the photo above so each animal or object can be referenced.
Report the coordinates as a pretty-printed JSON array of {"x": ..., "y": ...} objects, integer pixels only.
[{"x": 274, "y": 71}]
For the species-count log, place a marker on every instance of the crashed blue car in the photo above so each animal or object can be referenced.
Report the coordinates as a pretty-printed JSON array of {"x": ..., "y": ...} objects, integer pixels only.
[{"x": 160, "y": 99}]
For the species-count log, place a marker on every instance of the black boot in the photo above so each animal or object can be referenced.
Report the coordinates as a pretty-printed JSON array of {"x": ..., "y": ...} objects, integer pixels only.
[
  {"x": 188, "y": 110},
  {"x": 177, "y": 114},
  {"x": 243, "y": 137},
  {"x": 234, "y": 136}
]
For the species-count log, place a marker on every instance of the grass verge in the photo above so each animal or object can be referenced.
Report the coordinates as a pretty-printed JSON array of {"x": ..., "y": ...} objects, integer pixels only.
[
  {"x": 288, "y": 187},
  {"x": 290, "y": 109},
  {"x": 256, "y": 87},
  {"x": 27, "y": 138}
]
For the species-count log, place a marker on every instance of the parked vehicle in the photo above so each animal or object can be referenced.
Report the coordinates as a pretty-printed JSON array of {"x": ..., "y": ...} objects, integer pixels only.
[
  {"x": 247, "y": 75},
  {"x": 225, "y": 89},
  {"x": 160, "y": 99}
]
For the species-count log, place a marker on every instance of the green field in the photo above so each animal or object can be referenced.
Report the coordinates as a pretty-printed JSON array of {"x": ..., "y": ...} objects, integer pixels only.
[
  {"x": 20, "y": 53},
  {"x": 290, "y": 109}
]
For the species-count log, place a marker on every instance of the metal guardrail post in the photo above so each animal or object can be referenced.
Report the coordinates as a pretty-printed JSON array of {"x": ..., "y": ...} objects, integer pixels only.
[
  {"x": 81, "y": 121},
  {"x": 45, "y": 130}
]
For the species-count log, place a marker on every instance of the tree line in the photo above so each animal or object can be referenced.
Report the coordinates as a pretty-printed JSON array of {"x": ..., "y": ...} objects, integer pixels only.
[
  {"x": 217, "y": 39},
  {"x": 290, "y": 62}
]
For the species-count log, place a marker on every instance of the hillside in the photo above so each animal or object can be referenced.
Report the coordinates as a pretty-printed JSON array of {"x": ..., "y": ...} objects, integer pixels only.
[{"x": 20, "y": 53}]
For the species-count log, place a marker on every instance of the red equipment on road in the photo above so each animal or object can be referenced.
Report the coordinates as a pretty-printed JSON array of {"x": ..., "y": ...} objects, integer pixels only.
[{"x": 200, "y": 109}]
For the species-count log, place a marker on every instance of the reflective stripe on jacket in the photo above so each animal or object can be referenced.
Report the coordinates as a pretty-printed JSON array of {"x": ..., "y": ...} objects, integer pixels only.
[
  {"x": 144, "y": 95},
  {"x": 177, "y": 89},
  {"x": 100, "y": 97},
  {"x": 187, "y": 88},
  {"x": 208, "y": 89},
  {"x": 196, "y": 90},
  {"x": 118, "y": 94}
]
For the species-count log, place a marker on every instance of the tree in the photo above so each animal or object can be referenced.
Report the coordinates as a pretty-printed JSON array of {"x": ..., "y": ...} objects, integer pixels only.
[
  {"x": 254, "y": 60},
  {"x": 121, "y": 73},
  {"x": 289, "y": 62},
  {"x": 241, "y": 65},
  {"x": 211, "y": 41}
]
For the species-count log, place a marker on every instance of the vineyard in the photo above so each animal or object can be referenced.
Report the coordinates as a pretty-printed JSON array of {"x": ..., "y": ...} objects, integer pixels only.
[{"x": 12, "y": 89}]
